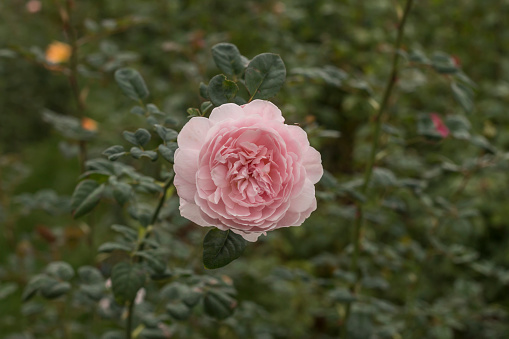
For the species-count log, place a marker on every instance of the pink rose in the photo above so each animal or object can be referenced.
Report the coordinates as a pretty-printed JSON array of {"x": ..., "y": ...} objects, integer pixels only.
[
  {"x": 440, "y": 127},
  {"x": 244, "y": 170}
]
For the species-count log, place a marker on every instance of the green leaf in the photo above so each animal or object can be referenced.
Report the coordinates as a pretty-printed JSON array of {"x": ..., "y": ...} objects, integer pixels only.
[
  {"x": 168, "y": 151},
  {"x": 218, "y": 304},
  {"x": 228, "y": 58},
  {"x": 483, "y": 143},
  {"x": 138, "y": 110},
  {"x": 60, "y": 270},
  {"x": 34, "y": 285},
  {"x": 265, "y": 75},
  {"x": 126, "y": 280},
  {"x": 113, "y": 335},
  {"x": 138, "y": 153},
  {"x": 154, "y": 259},
  {"x": 114, "y": 152},
  {"x": 122, "y": 192},
  {"x": 90, "y": 275},
  {"x": 459, "y": 126},
  {"x": 463, "y": 96},
  {"x": 443, "y": 63},
  {"x": 222, "y": 90},
  {"x": 111, "y": 246},
  {"x": 167, "y": 134},
  {"x": 138, "y": 138},
  {"x": 128, "y": 233},
  {"x": 178, "y": 311},
  {"x": 55, "y": 289},
  {"x": 384, "y": 177},
  {"x": 7, "y": 289},
  {"x": 153, "y": 109},
  {"x": 205, "y": 106},
  {"x": 85, "y": 197},
  {"x": 221, "y": 247},
  {"x": 131, "y": 83},
  {"x": 204, "y": 91}
]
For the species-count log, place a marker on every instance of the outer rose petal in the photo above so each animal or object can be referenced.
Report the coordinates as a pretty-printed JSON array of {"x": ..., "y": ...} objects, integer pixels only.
[
  {"x": 265, "y": 109},
  {"x": 312, "y": 161},
  {"x": 251, "y": 236},
  {"x": 194, "y": 133},
  {"x": 226, "y": 111},
  {"x": 192, "y": 212}
]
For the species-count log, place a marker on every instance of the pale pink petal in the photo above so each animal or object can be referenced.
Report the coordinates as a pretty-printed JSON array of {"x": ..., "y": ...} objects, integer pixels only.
[
  {"x": 249, "y": 236},
  {"x": 312, "y": 161},
  {"x": 185, "y": 189},
  {"x": 186, "y": 164},
  {"x": 192, "y": 212},
  {"x": 225, "y": 112},
  {"x": 265, "y": 109},
  {"x": 305, "y": 199},
  {"x": 194, "y": 134}
]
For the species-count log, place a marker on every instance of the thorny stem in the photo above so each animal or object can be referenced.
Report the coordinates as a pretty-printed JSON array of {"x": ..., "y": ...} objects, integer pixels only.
[{"x": 371, "y": 161}]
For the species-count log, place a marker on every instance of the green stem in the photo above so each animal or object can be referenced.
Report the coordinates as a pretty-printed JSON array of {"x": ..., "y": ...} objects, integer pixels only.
[
  {"x": 168, "y": 184},
  {"x": 129, "y": 326},
  {"x": 354, "y": 266}
]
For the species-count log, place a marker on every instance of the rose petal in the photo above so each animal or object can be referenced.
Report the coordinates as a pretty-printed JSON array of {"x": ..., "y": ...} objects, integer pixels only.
[
  {"x": 265, "y": 109},
  {"x": 192, "y": 212},
  {"x": 194, "y": 134},
  {"x": 226, "y": 111},
  {"x": 312, "y": 161}
]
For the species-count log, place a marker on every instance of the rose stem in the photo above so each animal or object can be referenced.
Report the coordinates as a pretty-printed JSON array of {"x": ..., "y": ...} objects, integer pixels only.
[
  {"x": 371, "y": 161},
  {"x": 141, "y": 245}
]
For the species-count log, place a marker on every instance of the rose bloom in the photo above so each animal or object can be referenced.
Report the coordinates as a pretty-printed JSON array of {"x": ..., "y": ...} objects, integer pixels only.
[
  {"x": 246, "y": 171},
  {"x": 440, "y": 127}
]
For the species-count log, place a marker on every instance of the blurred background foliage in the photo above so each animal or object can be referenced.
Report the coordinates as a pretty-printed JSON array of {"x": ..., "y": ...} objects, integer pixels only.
[{"x": 434, "y": 260}]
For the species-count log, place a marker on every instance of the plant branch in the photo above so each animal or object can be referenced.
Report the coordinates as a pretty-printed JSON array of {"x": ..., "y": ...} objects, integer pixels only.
[{"x": 354, "y": 266}]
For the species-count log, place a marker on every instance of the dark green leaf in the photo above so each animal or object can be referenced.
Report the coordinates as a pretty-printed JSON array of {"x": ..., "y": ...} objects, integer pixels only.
[
  {"x": 218, "y": 305},
  {"x": 128, "y": 233},
  {"x": 204, "y": 91},
  {"x": 60, "y": 270},
  {"x": 85, "y": 197},
  {"x": 463, "y": 95},
  {"x": 483, "y": 143},
  {"x": 265, "y": 75},
  {"x": 138, "y": 138},
  {"x": 108, "y": 247},
  {"x": 122, "y": 192},
  {"x": 126, "y": 280},
  {"x": 205, "y": 106},
  {"x": 138, "y": 153},
  {"x": 222, "y": 90},
  {"x": 228, "y": 59},
  {"x": 221, "y": 247},
  {"x": 113, "y": 150},
  {"x": 168, "y": 151},
  {"x": 90, "y": 275},
  {"x": 131, "y": 83},
  {"x": 55, "y": 289},
  {"x": 459, "y": 126},
  {"x": 167, "y": 134},
  {"x": 138, "y": 110},
  {"x": 34, "y": 285},
  {"x": 178, "y": 311}
]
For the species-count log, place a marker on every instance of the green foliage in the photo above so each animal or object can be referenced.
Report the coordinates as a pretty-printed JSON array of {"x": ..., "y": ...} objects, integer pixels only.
[
  {"x": 126, "y": 280},
  {"x": 221, "y": 247},
  {"x": 221, "y": 90},
  {"x": 131, "y": 83},
  {"x": 265, "y": 75},
  {"x": 85, "y": 197}
]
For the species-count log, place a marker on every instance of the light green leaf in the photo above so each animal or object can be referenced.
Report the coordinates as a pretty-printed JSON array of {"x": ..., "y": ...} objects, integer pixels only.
[
  {"x": 222, "y": 90},
  {"x": 221, "y": 247},
  {"x": 85, "y": 197},
  {"x": 131, "y": 83},
  {"x": 265, "y": 75}
]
